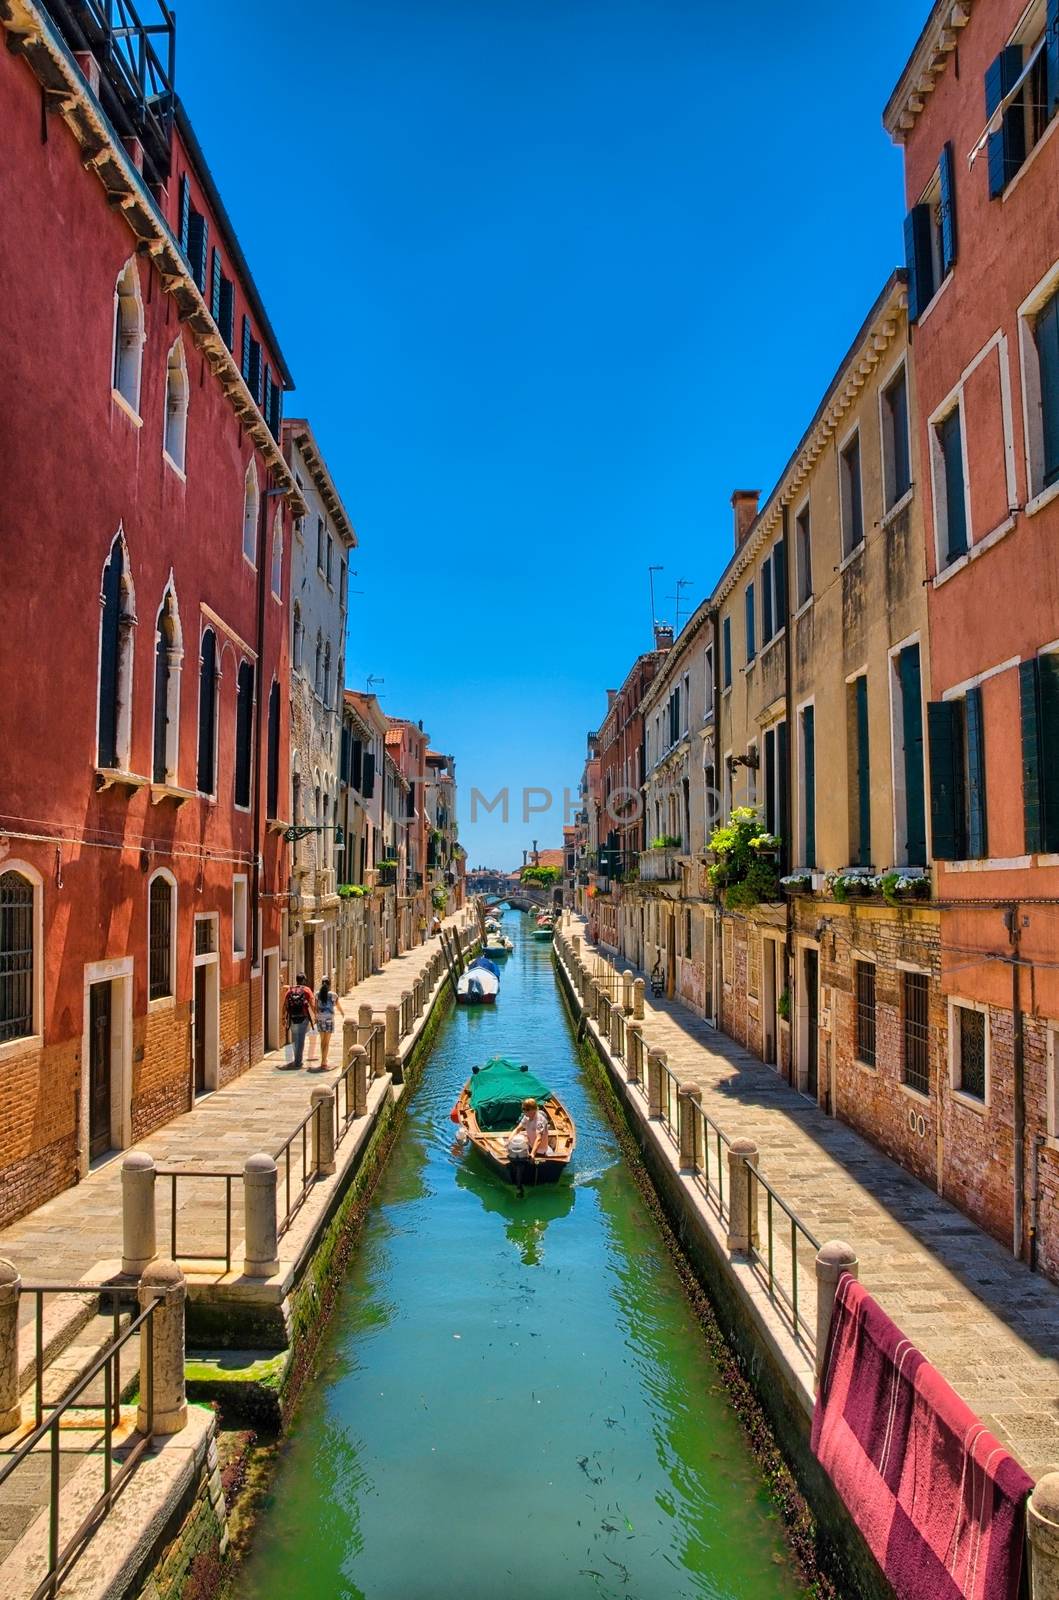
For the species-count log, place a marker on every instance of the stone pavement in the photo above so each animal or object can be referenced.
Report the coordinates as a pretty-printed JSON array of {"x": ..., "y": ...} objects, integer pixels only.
[
  {"x": 65, "y": 1238},
  {"x": 985, "y": 1321}
]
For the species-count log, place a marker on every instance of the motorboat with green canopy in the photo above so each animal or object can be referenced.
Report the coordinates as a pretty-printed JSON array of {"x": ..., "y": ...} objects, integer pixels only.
[{"x": 489, "y": 1107}]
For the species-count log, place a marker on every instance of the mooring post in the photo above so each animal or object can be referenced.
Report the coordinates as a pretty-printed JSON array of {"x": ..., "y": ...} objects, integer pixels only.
[
  {"x": 322, "y": 1101},
  {"x": 1042, "y": 1529},
  {"x": 359, "y": 1076},
  {"x": 589, "y": 997},
  {"x": 626, "y": 989},
  {"x": 633, "y": 1051},
  {"x": 575, "y": 948},
  {"x": 637, "y": 998},
  {"x": 617, "y": 1042},
  {"x": 260, "y": 1180},
  {"x": 138, "y": 1238},
  {"x": 833, "y": 1259},
  {"x": 742, "y": 1196},
  {"x": 656, "y": 1060},
  {"x": 689, "y": 1097},
  {"x": 10, "y": 1407},
  {"x": 163, "y": 1407}
]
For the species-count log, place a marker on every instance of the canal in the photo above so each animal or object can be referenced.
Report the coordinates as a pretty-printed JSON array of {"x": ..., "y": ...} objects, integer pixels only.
[{"x": 514, "y": 1397}]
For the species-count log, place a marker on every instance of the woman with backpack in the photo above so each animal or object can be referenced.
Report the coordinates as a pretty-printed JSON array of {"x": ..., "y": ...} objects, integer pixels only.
[
  {"x": 326, "y": 1004},
  {"x": 299, "y": 1014}
]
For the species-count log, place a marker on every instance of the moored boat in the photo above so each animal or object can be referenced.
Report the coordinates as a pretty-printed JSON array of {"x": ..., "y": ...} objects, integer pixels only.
[
  {"x": 497, "y": 944},
  {"x": 489, "y": 1107},
  {"x": 479, "y": 985},
  {"x": 545, "y": 928}
]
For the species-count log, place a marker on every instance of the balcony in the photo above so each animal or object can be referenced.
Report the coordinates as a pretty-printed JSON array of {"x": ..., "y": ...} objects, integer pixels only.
[
  {"x": 325, "y": 881},
  {"x": 661, "y": 865},
  {"x": 387, "y": 874}
]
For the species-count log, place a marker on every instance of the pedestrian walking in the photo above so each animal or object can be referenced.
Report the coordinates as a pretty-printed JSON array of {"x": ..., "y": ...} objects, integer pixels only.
[
  {"x": 327, "y": 1003},
  {"x": 299, "y": 1014}
]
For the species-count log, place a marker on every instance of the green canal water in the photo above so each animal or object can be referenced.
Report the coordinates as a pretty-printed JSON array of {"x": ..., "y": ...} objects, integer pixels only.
[{"x": 514, "y": 1398}]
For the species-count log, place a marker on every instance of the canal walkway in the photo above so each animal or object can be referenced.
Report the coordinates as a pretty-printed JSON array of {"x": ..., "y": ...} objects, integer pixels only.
[{"x": 981, "y": 1317}]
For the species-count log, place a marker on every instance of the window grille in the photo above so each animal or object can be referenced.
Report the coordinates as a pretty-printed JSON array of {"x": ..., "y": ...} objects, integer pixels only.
[
  {"x": 16, "y": 956},
  {"x": 160, "y": 936},
  {"x": 916, "y": 1032},
  {"x": 864, "y": 978},
  {"x": 971, "y": 1039}
]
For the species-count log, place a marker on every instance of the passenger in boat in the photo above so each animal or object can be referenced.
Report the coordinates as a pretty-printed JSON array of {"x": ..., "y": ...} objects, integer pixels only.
[{"x": 527, "y": 1140}]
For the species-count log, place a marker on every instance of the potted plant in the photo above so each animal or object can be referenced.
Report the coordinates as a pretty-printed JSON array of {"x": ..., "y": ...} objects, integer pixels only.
[
  {"x": 666, "y": 841},
  {"x": 902, "y": 884},
  {"x": 783, "y": 1005},
  {"x": 743, "y": 871},
  {"x": 797, "y": 883}
]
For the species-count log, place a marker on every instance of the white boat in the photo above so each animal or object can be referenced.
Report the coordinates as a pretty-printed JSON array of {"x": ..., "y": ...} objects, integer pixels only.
[{"x": 477, "y": 987}]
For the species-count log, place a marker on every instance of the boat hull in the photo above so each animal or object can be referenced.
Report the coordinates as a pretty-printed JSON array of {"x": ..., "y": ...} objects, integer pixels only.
[
  {"x": 476, "y": 999},
  {"x": 491, "y": 1147}
]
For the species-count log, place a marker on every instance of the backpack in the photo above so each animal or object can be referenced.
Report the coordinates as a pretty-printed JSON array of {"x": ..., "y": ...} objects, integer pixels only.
[{"x": 297, "y": 1006}]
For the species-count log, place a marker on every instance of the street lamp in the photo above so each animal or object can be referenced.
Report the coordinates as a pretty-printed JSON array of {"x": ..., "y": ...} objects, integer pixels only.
[{"x": 302, "y": 830}]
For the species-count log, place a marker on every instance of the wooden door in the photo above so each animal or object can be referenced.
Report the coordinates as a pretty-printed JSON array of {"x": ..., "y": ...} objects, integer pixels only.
[
  {"x": 309, "y": 958},
  {"x": 99, "y": 1048},
  {"x": 201, "y": 990},
  {"x": 812, "y": 1020}
]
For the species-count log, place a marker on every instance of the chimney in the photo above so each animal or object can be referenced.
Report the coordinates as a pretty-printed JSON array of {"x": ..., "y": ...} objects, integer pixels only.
[
  {"x": 612, "y": 695},
  {"x": 663, "y": 636},
  {"x": 744, "y": 504}
]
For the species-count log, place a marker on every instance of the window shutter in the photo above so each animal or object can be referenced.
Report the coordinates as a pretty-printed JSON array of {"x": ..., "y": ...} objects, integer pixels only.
[
  {"x": 227, "y": 317},
  {"x": 912, "y": 729},
  {"x": 254, "y": 378},
  {"x": 185, "y": 212},
  {"x": 863, "y": 776},
  {"x": 215, "y": 287},
  {"x": 268, "y": 394},
  {"x": 356, "y": 764},
  {"x": 942, "y": 730},
  {"x": 977, "y": 832},
  {"x": 1048, "y": 684},
  {"x": 947, "y": 179},
  {"x": 1029, "y": 709},
  {"x": 343, "y": 763},
  {"x": 770, "y": 781},
  {"x": 809, "y": 756},
  {"x": 917, "y": 260},
  {"x": 368, "y": 786},
  {"x": 272, "y": 793},
  {"x": 779, "y": 579},
  {"x": 198, "y": 230},
  {"x": 726, "y": 632},
  {"x": 1051, "y": 45},
  {"x": 766, "y": 600},
  {"x": 245, "y": 367},
  {"x": 783, "y": 808},
  {"x": 751, "y": 643},
  {"x": 1007, "y": 146}
]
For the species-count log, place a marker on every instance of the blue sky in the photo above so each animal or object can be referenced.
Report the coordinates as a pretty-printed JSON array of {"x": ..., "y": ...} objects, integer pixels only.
[{"x": 553, "y": 279}]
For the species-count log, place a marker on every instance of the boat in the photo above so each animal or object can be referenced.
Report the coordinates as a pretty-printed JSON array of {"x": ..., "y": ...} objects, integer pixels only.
[
  {"x": 497, "y": 944},
  {"x": 485, "y": 962},
  {"x": 489, "y": 1107},
  {"x": 545, "y": 928},
  {"x": 478, "y": 986}
]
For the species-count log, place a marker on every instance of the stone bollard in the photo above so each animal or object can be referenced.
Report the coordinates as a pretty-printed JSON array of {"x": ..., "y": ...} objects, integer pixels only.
[
  {"x": 260, "y": 1181},
  {"x": 617, "y": 1043},
  {"x": 349, "y": 1040},
  {"x": 138, "y": 1238},
  {"x": 626, "y": 989},
  {"x": 656, "y": 1060},
  {"x": 406, "y": 1007},
  {"x": 360, "y": 1080},
  {"x": 323, "y": 1103},
  {"x": 637, "y": 998},
  {"x": 10, "y": 1409},
  {"x": 742, "y": 1209},
  {"x": 689, "y": 1127},
  {"x": 575, "y": 949},
  {"x": 634, "y": 1051},
  {"x": 393, "y": 1032},
  {"x": 835, "y": 1258},
  {"x": 1042, "y": 1530},
  {"x": 162, "y": 1350},
  {"x": 589, "y": 997}
]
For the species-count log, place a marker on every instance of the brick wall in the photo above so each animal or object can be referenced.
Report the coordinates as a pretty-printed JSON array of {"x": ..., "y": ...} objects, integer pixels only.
[
  {"x": 39, "y": 1093},
  {"x": 161, "y": 1068}
]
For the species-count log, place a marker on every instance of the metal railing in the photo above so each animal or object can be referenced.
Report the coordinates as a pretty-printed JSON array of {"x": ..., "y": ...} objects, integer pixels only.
[
  {"x": 711, "y": 1140},
  {"x": 174, "y": 1174},
  {"x": 63, "y": 1553},
  {"x": 669, "y": 1102},
  {"x": 372, "y": 1040},
  {"x": 296, "y": 1186},
  {"x": 785, "y": 1298}
]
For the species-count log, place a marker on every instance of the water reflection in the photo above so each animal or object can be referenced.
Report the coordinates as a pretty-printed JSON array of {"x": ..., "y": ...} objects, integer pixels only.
[{"x": 526, "y": 1220}]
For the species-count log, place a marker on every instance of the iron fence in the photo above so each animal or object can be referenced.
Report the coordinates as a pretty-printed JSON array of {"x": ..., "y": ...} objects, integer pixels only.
[
  {"x": 174, "y": 1175},
  {"x": 785, "y": 1296},
  {"x": 302, "y": 1144},
  {"x": 713, "y": 1142}
]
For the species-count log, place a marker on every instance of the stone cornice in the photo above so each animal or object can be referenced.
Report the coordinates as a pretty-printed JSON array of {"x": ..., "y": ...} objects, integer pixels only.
[
  {"x": 298, "y": 430},
  {"x": 932, "y": 53},
  {"x": 30, "y": 34}
]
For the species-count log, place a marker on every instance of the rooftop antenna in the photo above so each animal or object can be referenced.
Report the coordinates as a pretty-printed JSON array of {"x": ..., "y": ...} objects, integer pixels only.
[
  {"x": 682, "y": 583},
  {"x": 654, "y": 615},
  {"x": 372, "y": 679}
]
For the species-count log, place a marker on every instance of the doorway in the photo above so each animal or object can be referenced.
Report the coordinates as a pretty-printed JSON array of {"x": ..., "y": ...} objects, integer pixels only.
[
  {"x": 309, "y": 958},
  {"x": 206, "y": 1017},
  {"x": 100, "y": 1061},
  {"x": 811, "y": 968},
  {"x": 271, "y": 993},
  {"x": 769, "y": 996}
]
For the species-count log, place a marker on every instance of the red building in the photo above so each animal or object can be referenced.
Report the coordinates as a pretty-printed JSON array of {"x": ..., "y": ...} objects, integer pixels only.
[
  {"x": 406, "y": 745},
  {"x": 976, "y": 112},
  {"x": 143, "y": 635}
]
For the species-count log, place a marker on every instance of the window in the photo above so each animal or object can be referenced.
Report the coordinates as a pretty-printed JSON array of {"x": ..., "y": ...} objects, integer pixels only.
[
  {"x": 1039, "y": 715},
  {"x": 751, "y": 641},
  {"x": 897, "y": 464},
  {"x": 18, "y": 917},
  {"x": 775, "y": 779},
  {"x": 116, "y": 625},
  {"x": 969, "y": 1045},
  {"x": 320, "y": 544},
  {"x": 244, "y": 732},
  {"x": 1039, "y": 344},
  {"x": 910, "y": 820},
  {"x": 318, "y": 671},
  {"x": 708, "y": 684},
  {"x": 751, "y": 770},
  {"x": 251, "y": 503},
  {"x": 957, "y": 778},
  {"x": 168, "y": 654},
  {"x": 277, "y": 555},
  {"x": 176, "y": 406},
  {"x": 272, "y": 783},
  {"x": 327, "y": 673},
  {"x": 858, "y": 767},
  {"x": 222, "y": 300},
  {"x": 239, "y": 918},
  {"x": 687, "y": 935},
  {"x": 342, "y": 583},
  {"x": 726, "y": 651},
  {"x": 864, "y": 1011},
  {"x": 767, "y": 628},
  {"x": 194, "y": 234},
  {"x": 807, "y": 752},
  {"x": 207, "y": 756},
  {"x": 251, "y": 361},
  {"x": 161, "y": 944},
  {"x": 205, "y": 935},
  {"x": 852, "y": 508},
  {"x": 330, "y": 557},
  {"x": 128, "y": 337},
  {"x": 915, "y": 1029},
  {"x": 804, "y": 554},
  {"x": 950, "y": 500},
  {"x": 773, "y": 585},
  {"x": 685, "y": 721},
  {"x": 1020, "y": 94},
  {"x": 930, "y": 236}
]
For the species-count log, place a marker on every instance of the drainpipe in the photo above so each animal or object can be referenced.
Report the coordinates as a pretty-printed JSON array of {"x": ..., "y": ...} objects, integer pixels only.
[
  {"x": 785, "y": 856},
  {"x": 1019, "y": 1094}
]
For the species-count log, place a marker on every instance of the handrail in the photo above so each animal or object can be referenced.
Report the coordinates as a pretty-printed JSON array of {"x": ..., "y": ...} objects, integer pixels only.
[
  {"x": 720, "y": 1138},
  {"x": 61, "y": 1559},
  {"x": 173, "y": 1174},
  {"x": 308, "y": 1177},
  {"x": 670, "y": 1101},
  {"x": 776, "y": 1291}
]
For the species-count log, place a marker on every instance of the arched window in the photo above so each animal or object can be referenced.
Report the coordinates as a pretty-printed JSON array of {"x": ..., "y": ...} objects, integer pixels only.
[
  {"x": 277, "y": 554},
  {"x": 118, "y": 618},
  {"x": 327, "y": 673},
  {"x": 207, "y": 763},
  {"x": 272, "y": 786},
  {"x": 244, "y": 732},
  {"x": 251, "y": 502},
  {"x": 161, "y": 936},
  {"x": 297, "y": 637},
  {"x": 168, "y": 654},
  {"x": 18, "y": 957},
  {"x": 318, "y": 673},
  {"x": 176, "y": 405},
  {"x": 128, "y": 336}
]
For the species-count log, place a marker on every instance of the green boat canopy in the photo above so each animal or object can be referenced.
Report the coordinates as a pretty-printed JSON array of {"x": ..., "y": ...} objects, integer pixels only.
[{"x": 498, "y": 1090}]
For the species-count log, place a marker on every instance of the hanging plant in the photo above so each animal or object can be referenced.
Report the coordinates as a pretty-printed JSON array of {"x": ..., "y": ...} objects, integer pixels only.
[
  {"x": 742, "y": 870},
  {"x": 902, "y": 884},
  {"x": 783, "y": 1005}
]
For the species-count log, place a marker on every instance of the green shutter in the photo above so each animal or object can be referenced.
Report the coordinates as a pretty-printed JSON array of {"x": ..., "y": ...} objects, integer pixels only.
[
  {"x": 185, "y": 212},
  {"x": 1006, "y": 150},
  {"x": 863, "y": 776},
  {"x": 766, "y": 600},
  {"x": 779, "y": 577},
  {"x": 941, "y": 725},
  {"x": 918, "y": 258},
  {"x": 912, "y": 732},
  {"x": 1029, "y": 708},
  {"x": 809, "y": 787},
  {"x": 784, "y": 808},
  {"x": 726, "y": 634},
  {"x": 1048, "y": 680},
  {"x": 977, "y": 831},
  {"x": 215, "y": 287},
  {"x": 751, "y": 642},
  {"x": 947, "y": 182}
]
